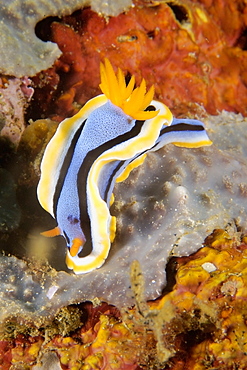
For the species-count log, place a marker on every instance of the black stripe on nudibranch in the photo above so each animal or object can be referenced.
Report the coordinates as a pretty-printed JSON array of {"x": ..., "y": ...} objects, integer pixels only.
[
  {"x": 182, "y": 127},
  {"x": 177, "y": 127},
  {"x": 87, "y": 163},
  {"x": 65, "y": 166},
  {"x": 111, "y": 179},
  {"x": 66, "y": 238},
  {"x": 122, "y": 163}
]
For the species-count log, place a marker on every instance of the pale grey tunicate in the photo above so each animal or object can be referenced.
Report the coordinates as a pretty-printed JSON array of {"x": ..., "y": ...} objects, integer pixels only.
[{"x": 22, "y": 53}]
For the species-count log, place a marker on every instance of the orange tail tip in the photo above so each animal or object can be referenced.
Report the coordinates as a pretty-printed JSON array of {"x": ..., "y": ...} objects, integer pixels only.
[
  {"x": 75, "y": 247},
  {"x": 51, "y": 233}
]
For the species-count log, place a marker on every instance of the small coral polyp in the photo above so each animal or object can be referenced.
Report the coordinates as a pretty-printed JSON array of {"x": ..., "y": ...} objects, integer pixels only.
[{"x": 109, "y": 137}]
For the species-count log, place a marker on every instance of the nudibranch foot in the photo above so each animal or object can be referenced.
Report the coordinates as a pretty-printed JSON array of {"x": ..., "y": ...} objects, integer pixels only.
[{"x": 109, "y": 137}]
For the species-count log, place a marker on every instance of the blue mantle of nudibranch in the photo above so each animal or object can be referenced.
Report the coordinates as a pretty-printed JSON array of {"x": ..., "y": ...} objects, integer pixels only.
[{"x": 96, "y": 148}]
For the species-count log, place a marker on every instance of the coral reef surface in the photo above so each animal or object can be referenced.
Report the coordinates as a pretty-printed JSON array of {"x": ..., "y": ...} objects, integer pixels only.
[
  {"x": 99, "y": 340},
  {"x": 198, "y": 324},
  {"x": 194, "y": 52},
  {"x": 201, "y": 323},
  {"x": 25, "y": 54},
  {"x": 15, "y": 94},
  {"x": 183, "y": 195}
]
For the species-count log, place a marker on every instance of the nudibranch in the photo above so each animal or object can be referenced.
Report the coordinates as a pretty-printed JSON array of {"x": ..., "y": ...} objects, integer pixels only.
[{"x": 96, "y": 148}]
